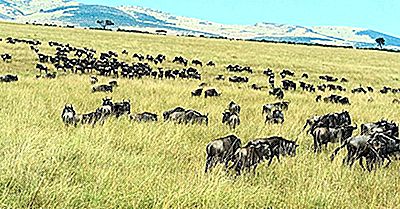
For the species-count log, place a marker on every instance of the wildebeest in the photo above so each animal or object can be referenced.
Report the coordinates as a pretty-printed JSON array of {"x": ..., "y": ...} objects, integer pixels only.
[
  {"x": 305, "y": 75},
  {"x": 197, "y": 92},
  {"x": 113, "y": 83},
  {"x": 238, "y": 79},
  {"x": 102, "y": 88},
  {"x": 330, "y": 120},
  {"x": 328, "y": 78},
  {"x": 41, "y": 68},
  {"x": 396, "y": 101},
  {"x": 383, "y": 126},
  {"x": 289, "y": 85},
  {"x": 144, "y": 117},
  {"x": 211, "y": 93},
  {"x": 278, "y": 92},
  {"x": 220, "y": 77},
  {"x": 337, "y": 99},
  {"x": 278, "y": 146},
  {"x": 8, "y": 78},
  {"x": 180, "y": 60},
  {"x": 374, "y": 147},
  {"x": 121, "y": 108},
  {"x": 359, "y": 90},
  {"x": 247, "y": 157},
  {"x": 167, "y": 114},
  {"x": 6, "y": 57},
  {"x": 231, "y": 119},
  {"x": 233, "y": 107},
  {"x": 68, "y": 115},
  {"x": 197, "y": 62},
  {"x": 325, "y": 135},
  {"x": 276, "y": 117},
  {"x": 93, "y": 80},
  {"x": 257, "y": 87},
  {"x": 221, "y": 150},
  {"x": 210, "y": 63}
]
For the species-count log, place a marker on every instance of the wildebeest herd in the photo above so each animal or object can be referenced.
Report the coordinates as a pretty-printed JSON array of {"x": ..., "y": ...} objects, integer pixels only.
[{"x": 377, "y": 143}]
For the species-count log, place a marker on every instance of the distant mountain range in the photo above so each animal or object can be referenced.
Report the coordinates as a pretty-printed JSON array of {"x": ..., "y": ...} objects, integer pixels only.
[{"x": 69, "y": 12}]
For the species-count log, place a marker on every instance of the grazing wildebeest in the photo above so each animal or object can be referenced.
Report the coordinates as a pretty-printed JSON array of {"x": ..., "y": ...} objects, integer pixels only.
[
  {"x": 168, "y": 113},
  {"x": 211, "y": 93},
  {"x": 93, "y": 80},
  {"x": 331, "y": 120},
  {"x": 305, "y": 75},
  {"x": 287, "y": 85},
  {"x": 238, "y": 79},
  {"x": 246, "y": 158},
  {"x": 113, "y": 83},
  {"x": 144, "y": 117},
  {"x": 275, "y": 117},
  {"x": 220, "y": 77},
  {"x": 197, "y": 92},
  {"x": 374, "y": 147},
  {"x": 102, "y": 88},
  {"x": 231, "y": 119},
  {"x": 383, "y": 126},
  {"x": 197, "y": 62},
  {"x": 41, "y": 68},
  {"x": 233, "y": 107},
  {"x": 8, "y": 78},
  {"x": 278, "y": 146},
  {"x": 221, "y": 150},
  {"x": 257, "y": 87},
  {"x": 6, "y": 57},
  {"x": 278, "y": 92},
  {"x": 318, "y": 98},
  {"x": 325, "y": 135},
  {"x": 210, "y": 63},
  {"x": 68, "y": 115},
  {"x": 121, "y": 108}
]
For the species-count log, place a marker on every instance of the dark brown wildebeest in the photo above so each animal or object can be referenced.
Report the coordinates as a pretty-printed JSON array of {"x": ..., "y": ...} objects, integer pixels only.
[
  {"x": 221, "y": 150},
  {"x": 231, "y": 119},
  {"x": 211, "y": 93},
  {"x": 144, "y": 117},
  {"x": 325, "y": 135},
  {"x": 197, "y": 62},
  {"x": 210, "y": 63},
  {"x": 102, "y": 88},
  {"x": 197, "y": 92}
]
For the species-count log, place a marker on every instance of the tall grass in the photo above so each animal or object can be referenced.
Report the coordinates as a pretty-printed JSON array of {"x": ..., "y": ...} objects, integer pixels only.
[{"x": 161, "y": 165}]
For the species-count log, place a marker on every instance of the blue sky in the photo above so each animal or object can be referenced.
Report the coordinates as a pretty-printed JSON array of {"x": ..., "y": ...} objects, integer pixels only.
[{"x": 380, "y": 15}]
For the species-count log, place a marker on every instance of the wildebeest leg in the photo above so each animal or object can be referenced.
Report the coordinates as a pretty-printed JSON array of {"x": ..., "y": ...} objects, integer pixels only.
[
  {"x": 270, "y": 160},
  {"x": 254, "y": 169},
  {"x": 315, "y": 144},
  {"x": 389, "y": 161},
  {"x": 208, "y": 163},
  {"x": 361, "y": 163}
]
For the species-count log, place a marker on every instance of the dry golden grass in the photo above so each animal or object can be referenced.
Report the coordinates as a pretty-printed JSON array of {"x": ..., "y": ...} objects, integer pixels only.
[{"x": 161, "y": 165}]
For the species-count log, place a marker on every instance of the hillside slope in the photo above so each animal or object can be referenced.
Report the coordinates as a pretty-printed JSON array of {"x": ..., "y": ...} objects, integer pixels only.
[{"x": 68, "y": 12}]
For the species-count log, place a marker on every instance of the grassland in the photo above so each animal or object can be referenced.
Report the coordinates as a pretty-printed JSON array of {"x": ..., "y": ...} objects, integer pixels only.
[{"x": 129, "y": 165}]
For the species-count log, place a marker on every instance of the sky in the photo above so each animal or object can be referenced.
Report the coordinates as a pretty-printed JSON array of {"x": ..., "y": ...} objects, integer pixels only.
[{"x": 379, "y": 15}]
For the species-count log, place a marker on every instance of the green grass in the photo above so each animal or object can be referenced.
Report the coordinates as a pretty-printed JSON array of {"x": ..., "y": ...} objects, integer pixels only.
[{"x": 161, "y": 165}]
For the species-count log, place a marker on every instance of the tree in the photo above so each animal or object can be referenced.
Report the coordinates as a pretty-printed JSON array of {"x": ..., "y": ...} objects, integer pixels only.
[
  {"x": 105, "y": 23},
  {"x": 380, "y": 42}
]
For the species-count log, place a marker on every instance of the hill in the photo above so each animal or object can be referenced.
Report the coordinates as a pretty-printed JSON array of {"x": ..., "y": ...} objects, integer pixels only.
[{"x": 68, "y": 12}]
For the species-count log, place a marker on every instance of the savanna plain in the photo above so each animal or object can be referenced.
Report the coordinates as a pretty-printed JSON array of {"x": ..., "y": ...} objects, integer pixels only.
[{"x": 45, "y": 164}]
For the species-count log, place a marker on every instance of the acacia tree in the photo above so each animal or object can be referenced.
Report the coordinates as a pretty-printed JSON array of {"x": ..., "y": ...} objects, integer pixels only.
[
  {"x": 380, "y": 42},
  {"x": 105, "y": 23}
]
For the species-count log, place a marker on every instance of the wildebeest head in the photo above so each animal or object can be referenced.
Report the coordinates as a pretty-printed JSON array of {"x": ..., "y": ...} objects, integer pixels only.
[{"x": 107, "y": 101}]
